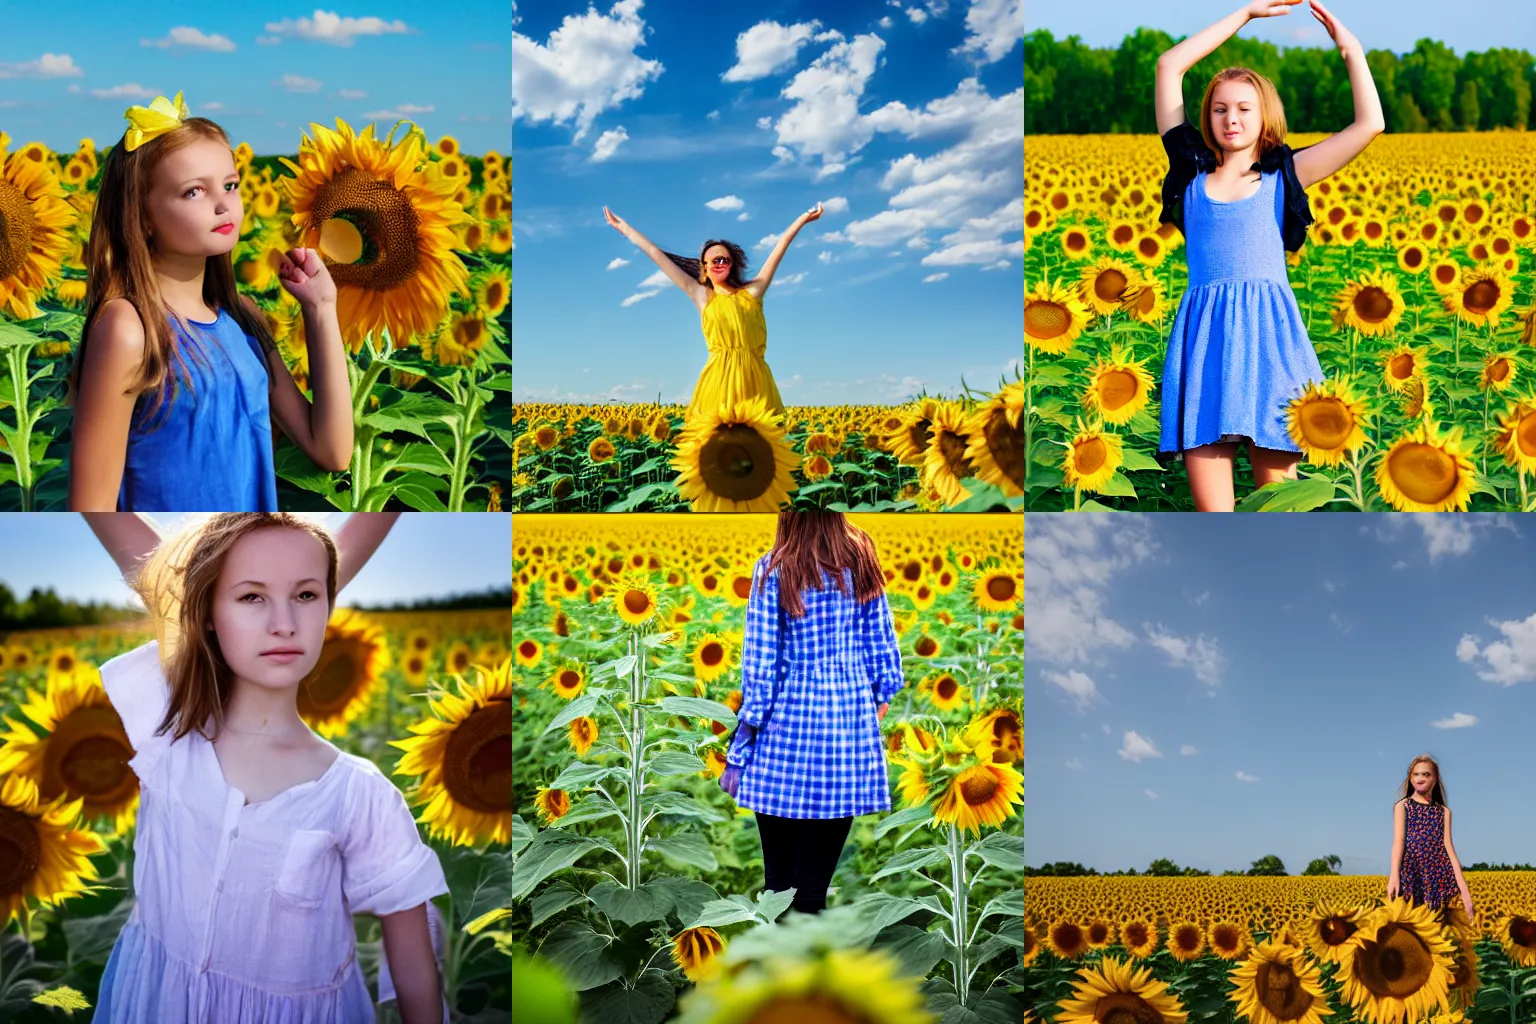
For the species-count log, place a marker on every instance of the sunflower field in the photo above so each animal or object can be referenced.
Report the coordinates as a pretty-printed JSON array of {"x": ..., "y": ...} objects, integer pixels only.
[
  {"x": 400, "y": 688},
  {"x": 636, "y": 878},
  {"x": 931, "y": 454},
  {"x": 1278, "y": 950},
  {"x": 418, "y": 237},
  {"x": 1416, "y": 282}
]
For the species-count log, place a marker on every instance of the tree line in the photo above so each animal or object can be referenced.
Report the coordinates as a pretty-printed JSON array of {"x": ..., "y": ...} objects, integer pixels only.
[
  {"x": 1268, "y": 865},
  {"x": 1073, "y": 89},
  {"x": 45, "y": 609}
]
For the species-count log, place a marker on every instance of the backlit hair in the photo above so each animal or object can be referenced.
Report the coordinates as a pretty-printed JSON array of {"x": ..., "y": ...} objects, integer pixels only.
[
  {"x": 817, "y": 539},
  {"x": 1271, "y": 112}
]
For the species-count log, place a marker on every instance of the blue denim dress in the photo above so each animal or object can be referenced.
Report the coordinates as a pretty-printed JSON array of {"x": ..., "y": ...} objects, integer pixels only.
[{"x": 209, "y": 447}]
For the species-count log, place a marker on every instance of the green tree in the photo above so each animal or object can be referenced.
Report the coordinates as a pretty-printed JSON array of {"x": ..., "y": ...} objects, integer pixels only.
[
  {"x": 1135, "y": 65},
  {"x": 1268, "y": 865},
  {"x": 1328, "y": 865},
  {"x": 1429, "y": 73},
  {"x": 1466, "y": 107},
  {"x": 1163, "y": 868}
]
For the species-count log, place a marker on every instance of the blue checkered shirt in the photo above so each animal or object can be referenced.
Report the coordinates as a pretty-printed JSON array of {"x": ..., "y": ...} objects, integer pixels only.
[{"x": 810, "y": 688}]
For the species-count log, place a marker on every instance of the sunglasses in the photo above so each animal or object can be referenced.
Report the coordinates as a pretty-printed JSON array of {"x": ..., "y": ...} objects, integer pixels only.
[{"x": 720, "y": 261}]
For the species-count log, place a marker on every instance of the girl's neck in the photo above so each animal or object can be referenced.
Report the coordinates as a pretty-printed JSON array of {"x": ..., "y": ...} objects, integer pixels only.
[
  {"x": 181, "y": 283},
  {"x": 262, "y": 711}
]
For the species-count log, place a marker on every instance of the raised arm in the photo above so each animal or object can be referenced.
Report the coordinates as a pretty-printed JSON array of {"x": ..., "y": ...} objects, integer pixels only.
[
  {"x": 1183, "y": 55},
  {"x": 764, "y": 278},
  {"x": 357, "y": 540},
  {"x": 1318, "y": 161},
  {"x": 696, "y": 291},
  {"x": 127, "y": 538}
]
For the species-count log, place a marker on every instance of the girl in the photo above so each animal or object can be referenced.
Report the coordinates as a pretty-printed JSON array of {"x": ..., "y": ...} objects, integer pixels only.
[
  {"x": 1425, "y": 868},
  {"x": 257, "y": 840},
  {"x": 1239, "y": 351},
  {"x": 732, "y": 314},
  {"x": 182, "y": 421},
  {"x": 819, "y": 666}
]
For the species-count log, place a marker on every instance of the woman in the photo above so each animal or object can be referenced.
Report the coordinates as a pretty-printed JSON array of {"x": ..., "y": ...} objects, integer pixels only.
[
  {"x": 819, "y": 665},
  {"x": 731, "y": 310}
]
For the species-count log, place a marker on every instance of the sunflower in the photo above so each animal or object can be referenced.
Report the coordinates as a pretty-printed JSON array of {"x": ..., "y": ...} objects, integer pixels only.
[
  {"x": 1068, "y": 940},
  {"x": 841, "y": 985},
  {"x": 997, "y": 590},
  {"x": 48, "y": 857},
  {"x": 1329, "y": 928},
  {"x": 35, "y": 221},
  {"x": 552, "y": 804},
  {"x": 492, "y": 290},
  {"x": 1372, "y": 305},
  {"x": 634, "y": 597},
  {"x": 1398, "y": 965},
  {"x": 1102, "y": 286},
  {"x": 1516, "y": 439},
  {"x": 1076, "y": 242},
  {"x": 1483, "y": 293},
  {"x": 1413, "y": 258},
  {"x": 944, "y": 691},
  {"x": 1139, "y": 938},
  {"x": 1151, "y": 249},
  {"x": 1444, "y": 274},
  {"x": 996, "y": 449},
  {"x": 912, "y": 784},
  {"x": 567, "y": 681},
  {"x": 1118, "y": 387},
  {"x": 1400, "y": 366},
  {"x": 345, "y": 678},
  {"x": 463, "y": 755},
  {"x": 383, "y": 219},
  {"x": 982, "y": 794},
  {"x": 1528, "y": 326},
  {"x": 1000, "y": 731},
  {"x": 582, "y": 733},
  {"x": 1186, "y": 941},
  {"x": 711, "y": 657},
  {"x": 1091, "y": 458},
  {"x": 1053, "y": 317},
  {"x": 1145, "y": 301},
  {"x": 1278, "y": 985},
  {"x": 459, "y": 658},
  {"x": 457, "y": 340},
  {"x": 529, "y": 652},
  {"x": 1518, "y": 937},
  {"x": 735, "y": 460},
  {"x": 1228, "y": 941},
  {"x": 1114, "y": 991},
  {"x": 1101, "y": 934},
  {"x": 84, "y": 751},
  {"x": 1423, "y": 472},
  {"x": 1465, "y": 982},
  {"x": 601, "y": 450},
  {"x": 944, "y": 463},
  {"x": 1414, "y": 395},
  {"x": 926, "y": 646},
  {"x": 696, "y": 951},
  {"x": 1325, "y": 422},
  {"x": 1498, "y": 372}
]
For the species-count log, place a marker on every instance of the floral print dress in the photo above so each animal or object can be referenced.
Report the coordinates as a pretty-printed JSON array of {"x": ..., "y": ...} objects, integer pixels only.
[{"x": 1426, "y": 875}]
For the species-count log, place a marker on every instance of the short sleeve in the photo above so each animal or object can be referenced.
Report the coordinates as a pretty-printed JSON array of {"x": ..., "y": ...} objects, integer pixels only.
[
  {"x": 761, "y": 646},
  {"x": 385, "y": 865},
  {"x": 140, "y": 694},
  {"x": 880, "y": 649}
]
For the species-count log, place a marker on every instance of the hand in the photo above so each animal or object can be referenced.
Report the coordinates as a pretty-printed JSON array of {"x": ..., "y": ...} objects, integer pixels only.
[
  {"x": 1343, "y": 37},
  {"x": 616, "y": 222},
  {"x": 1392, "y": 885},
  {"x": 303, "y": 275},
  {"x": 879, "y": 714},
  {"x": 815, "y": 213},
  {"x": 730, "y": 779},
  {"x": 1270, "y": 8}
]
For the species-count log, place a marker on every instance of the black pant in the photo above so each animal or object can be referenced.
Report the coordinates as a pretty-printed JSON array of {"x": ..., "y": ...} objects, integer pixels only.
[{"x": 802, "y": 853}]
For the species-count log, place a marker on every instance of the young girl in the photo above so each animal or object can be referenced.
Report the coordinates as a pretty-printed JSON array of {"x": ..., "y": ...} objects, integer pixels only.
[
  {"x": 731, "y": 310},
  {"x": 1239, "y": 351},
  {"x": 177, "y": 380},
  {"x": 819, "y": 665},
  {"x": 257, "y": 840},
  {"x": 1425, "y": 868}
]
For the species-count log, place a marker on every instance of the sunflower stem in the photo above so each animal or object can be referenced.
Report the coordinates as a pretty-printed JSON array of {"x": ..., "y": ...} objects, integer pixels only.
[
  {"x": 1524, "y": 505},
  {"x": 637, "y": 760},
  {"x": 1029, "y": 384},
  {"x": 959, "y": 896}
]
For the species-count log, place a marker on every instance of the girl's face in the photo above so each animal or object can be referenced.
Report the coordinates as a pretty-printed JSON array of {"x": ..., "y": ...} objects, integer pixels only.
[
  {"x": 718, "y": 272},
  {"x": 194, "y": 202},
  {"x": 270, "y": 598},
  {"x": 1235, "y": 120},
  {"x": 1423, "y": 776}
]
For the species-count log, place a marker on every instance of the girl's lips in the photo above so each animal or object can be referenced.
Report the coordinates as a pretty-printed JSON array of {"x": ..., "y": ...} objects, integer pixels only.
[
  {"x": 285, "y": 656},
  {"x": 224, "y": 229}
]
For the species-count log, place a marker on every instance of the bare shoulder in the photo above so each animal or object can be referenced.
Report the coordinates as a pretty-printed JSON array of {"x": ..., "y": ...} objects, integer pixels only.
[{"x": 116, "y": 339}]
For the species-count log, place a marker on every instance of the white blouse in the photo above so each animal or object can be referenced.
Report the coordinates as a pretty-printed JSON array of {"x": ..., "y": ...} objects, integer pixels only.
[{"x": 244, "y": 911}]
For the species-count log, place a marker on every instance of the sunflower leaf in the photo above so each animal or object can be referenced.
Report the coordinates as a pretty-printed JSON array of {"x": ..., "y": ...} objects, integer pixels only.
[
  {"x": 1001, "y": 850},
  {"x": 911, "y": 861},
  {"x": 698, "y": 707},
  {"x": 688, "y": 848},
  {"x": 630, "y": 906},
  {"x": 622, "y": 667},
  {"x": 553, "y": 850},
  {"x": 878, "y": 911},
  {"x": 648, "y": 1002},
  {"x": 921, "y": 813},
  {"x": 522, "y": 833},
  {"x": 588, "y": 810},
  {"x": 1010, "y": 903},
  {"x": 915, "y": 949},
  {"x": 770, "y": 904},
  {"x": 582, "y": 705},
  {"x": 689, "y": 895},
  {"x": 670, "y": 801},
  {"x": 675, "y": 762},
  {"x": 719, "y": 913},
  {"x": 582, "y": 954},
  {"x": 554, "y": 898},
  {"x": 579, "y": 773}
]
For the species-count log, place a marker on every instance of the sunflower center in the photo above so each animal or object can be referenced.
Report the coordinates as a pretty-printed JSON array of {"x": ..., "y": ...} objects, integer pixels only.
[
  {"x": 1326, "y": 423},
  {"x": 1148, "y": 246},
  {"x": 926, "y": 646},
  {"x": 528, "y": 648},
  {"x": 384, "y": 222},
  {"x": 1423, "y": 472},
  {"x": 1498, "y": 370},
  {"x": 88, "y": 756},
  {"x": 1373, "y": 305},
  {"x": 1522, "y": 930},
  {"x": 1123, "y": 234},
  {"x": 1046, "y": 319},
  {"x": 1224, "y": 939},
  {"x": 20, "y": 851},
  {"x": 636, "y": 602},
  {"x": 1109, "y": 285},
  {"x": 477, "y": 759},
  {"x": 16, "y": 226},
  {"x": 334, "y": 681},
  {"x": 977, "y": 789},
  {"x": 1001, "y": 588},
  {"x": 1116, "y": 389},
  {"x": 1335, "y": 932},
  {"x": 1187, "y": 939},
  {"x": 952, "y": 447},
  {"x": 1396, "y": 965},
  {"x": 1401, "y": 366},
  {"x": 1098, "y": 932},
  {"x": 809, "y": 1009},
  {"x": 1090, "y": 455},
  {"x": 1280, "y": 991},
  {"x": 742, "y": 585},
  {"x": 1413, "y": 257},
  {"x": 711, "y": 654},
  {"x": 1134, "y": 934},
  {"x": 1125, "y": 1008},
  {"x": 946, "y": 688},
  {"x": 1481, "y": 297},
  {"x": 737, "y": 463}
]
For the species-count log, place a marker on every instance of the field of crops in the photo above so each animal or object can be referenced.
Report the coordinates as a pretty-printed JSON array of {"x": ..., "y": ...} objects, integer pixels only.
[
  {"x": 636, "y": 878},
  {"x": 931, "y": 454},
  {"x": 430, "y": 362},
  {"x": 1297, "y": 950},
  {"x": 385, "y": 689},
  {"x": 1416, "y": 282}
]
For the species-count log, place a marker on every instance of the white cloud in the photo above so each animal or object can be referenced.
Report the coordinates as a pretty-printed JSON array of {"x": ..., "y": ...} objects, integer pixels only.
[
  {"x": 837, "y": 204},
  {"x": 1151, "y": 793},
  {"x": 917, "y": 15},
  {"x": 192, "y": 39},
  {"x": 588, "y": 65},
  {"x": 213, "y": 107},
  {"x": 1074, "y": 764},
  {"x": 1459, "y": 720},
  {"x": 637, "y": 297},
  {"x": 768, "y": 47},
  {"x": 1200, "y": 598},
  {"x": 824, "y": 257},
  {"x": 931, "y": 278},
  {"x": 885, "y": 22},
  {"x": 795, "y": 278},
  {"x": 329, "y": 27},
  {"x": 49, "y": 65},
  {"x": 1077, "y": 685},
  {"x": 1399, "y": 564},
  {"x": 743, "y": 215},
  {"x": 1188, "y": 751},
  {"x": 617, "y": 262},
  {"x": 824, "y": 121},
  {"x": 766, "y": 241},
  {"x": 1508, "y": 661},
  {"x": 1245, "y": 777},
  {"x": 399, "y": 111},
  {"x": 352, "y": 94},
  {"x": 713, "y": 115},
  {"x": 1137, "y": 748},
  {"x": 657, "y": 280},
  {"x": 1069, "y": 564},
  {"x": 608, "y": 143},
  {"x": 127, "y": 91},
  {"x": 1201, "y": 654},
  {"x": 1339, "y": 623},
  {"x": 1444, "y": 534},
  {"x": 726, "y": 203},
  {"x": 298, "y": 83},
  {"x": 993, "y": 28}
]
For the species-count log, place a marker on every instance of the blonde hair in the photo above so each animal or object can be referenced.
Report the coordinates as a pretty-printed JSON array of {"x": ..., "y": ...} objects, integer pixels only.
[
  {"x": 1271, "y": 111},
  {"x": 176, "y": 584},
  {"x": 1437, "y": 794}
]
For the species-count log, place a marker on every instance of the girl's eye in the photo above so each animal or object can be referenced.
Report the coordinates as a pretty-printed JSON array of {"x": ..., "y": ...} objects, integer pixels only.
[{"x": 189, "y": 191}]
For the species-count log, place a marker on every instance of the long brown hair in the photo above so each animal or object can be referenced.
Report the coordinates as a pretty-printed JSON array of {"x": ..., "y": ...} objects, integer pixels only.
[
  {"x": 816, "y": 539},
  {"x": 1437, "y": 794},
  {"x": 176, "y": 584},
  {"x": 696, "y": 269},
  {"x": 1271, "y": 111},
  {"x": 118, "y": 264}
]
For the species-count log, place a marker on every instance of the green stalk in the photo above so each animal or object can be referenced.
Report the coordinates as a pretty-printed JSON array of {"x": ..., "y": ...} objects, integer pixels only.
[
  {"x": 959, "y": 898},
  {"x": 1029, "y": 387},
  {"x": 637, "y": 759}
]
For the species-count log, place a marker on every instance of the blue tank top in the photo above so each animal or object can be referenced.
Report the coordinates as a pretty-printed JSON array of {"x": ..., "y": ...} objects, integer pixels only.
[{"x": 209, "y": 447}]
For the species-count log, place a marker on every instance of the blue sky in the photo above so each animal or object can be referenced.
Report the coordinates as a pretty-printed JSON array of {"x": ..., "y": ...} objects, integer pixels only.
[
  {"x": 904, "y": 120},
  {"x": 262, "y": 71},
  {"x": 427, "y": 554},
  {"x": 1213, "y": 689},
  {"x": 1378, "y": 25}
]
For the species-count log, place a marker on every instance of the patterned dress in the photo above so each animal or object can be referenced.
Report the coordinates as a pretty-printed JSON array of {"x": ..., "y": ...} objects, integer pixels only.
[{"x": 1426, "y": 875}]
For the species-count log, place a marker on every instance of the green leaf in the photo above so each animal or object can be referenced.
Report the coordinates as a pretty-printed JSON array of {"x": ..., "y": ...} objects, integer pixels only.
[
  {"x": 419, "y": 491},
  {"x": 719, "y": 913},
  {"x": 771, "y": 904},
  {"x": 622, "y": 667},
  {"x": 916, "y": 950},
  {"x": 578, "y": 774},
  {"x": 1010, "y": 903},
  {"x": 1117, "y": 486},
  {"x": 982, "y": 952},
  {"x": 648, "y": 1002},
  {"x": 418, "y": 456},
  {"x": 554, "y": 850},
  {"x": 630, "y": 906},
  {"x": 478, "y": 883},
  {"x": 12, "y": 335},
  {"x": 582, "y": 705},
  {"x": 911, "y": 861},
  {"x": 654, "y": 462},
  {"x": 912, "y": 815},
  {"x": 689, "y": 895},
  {"x": 91, "y": 938},
  {"x": 1000, "y": 850},
  {"x": 1132, "y": 461},
  {"x": 880, "y": 910},
  {"x": 522, "y": 833},
  {"x": 592, "y": 808},
  {"x": 698, "y": 707},
  {"x": 1302, "y": 495},
  {"x": 554, "y": 898},
  {"x": 670, "y": 801},
  {"x": 675, "y": 762},
  {"x": 582, "y": 955},
  {"x": 664, "y": 491},
  {"x": 685, "y": 848}
]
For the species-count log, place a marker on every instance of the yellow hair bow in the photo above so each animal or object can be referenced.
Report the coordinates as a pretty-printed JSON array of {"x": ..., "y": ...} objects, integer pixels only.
[{"x": 146, "y": 123}]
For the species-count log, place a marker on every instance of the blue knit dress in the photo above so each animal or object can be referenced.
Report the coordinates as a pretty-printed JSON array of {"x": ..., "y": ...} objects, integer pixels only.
[{"x": 1238, "y": 351}]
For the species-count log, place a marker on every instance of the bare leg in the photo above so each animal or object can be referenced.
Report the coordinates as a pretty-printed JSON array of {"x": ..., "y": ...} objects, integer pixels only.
[
  {"x": 1210, "y": 476},
  {"x": 1271, "y": 465}
]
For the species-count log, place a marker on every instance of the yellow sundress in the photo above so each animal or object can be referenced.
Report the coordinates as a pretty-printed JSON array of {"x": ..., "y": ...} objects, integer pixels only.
[{"x": 738, "y": 337}]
